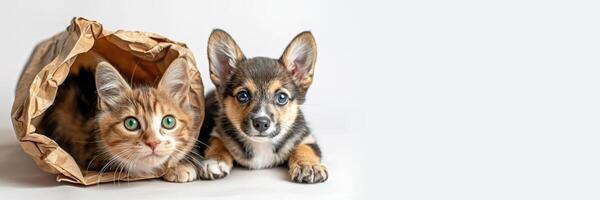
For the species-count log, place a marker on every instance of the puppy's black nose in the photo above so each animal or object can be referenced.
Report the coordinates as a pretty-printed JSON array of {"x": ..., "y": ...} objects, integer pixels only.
[{"x": 261, "y": 124}]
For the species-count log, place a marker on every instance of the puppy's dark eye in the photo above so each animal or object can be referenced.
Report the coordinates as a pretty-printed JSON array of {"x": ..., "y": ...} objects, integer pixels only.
[
  {"x": 243, "y": 97},
  {"x": 281, "y": 98}
]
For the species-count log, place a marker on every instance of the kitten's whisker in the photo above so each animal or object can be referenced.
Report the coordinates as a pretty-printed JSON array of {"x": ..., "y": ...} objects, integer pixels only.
[
  {"x": 206, "y": 145},
  {"x": 109, "y": 164},
  {"x": 189, "y": 157},
  {"x": 193, "y": 152}
]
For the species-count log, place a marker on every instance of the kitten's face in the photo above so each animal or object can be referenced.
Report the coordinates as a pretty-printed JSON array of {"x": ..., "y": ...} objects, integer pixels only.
[
  {"x": 144, "y": 127},
  {"x": 261, "y": 96}
]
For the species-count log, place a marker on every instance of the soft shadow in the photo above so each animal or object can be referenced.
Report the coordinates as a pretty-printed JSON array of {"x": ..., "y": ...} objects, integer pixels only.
[
  {"x": 279, "y": 172},
  {"x": 17, "y": 168},
  {"x": 282, "y": 172}
]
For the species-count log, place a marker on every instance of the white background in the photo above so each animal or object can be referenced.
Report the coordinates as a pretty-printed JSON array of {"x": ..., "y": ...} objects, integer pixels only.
[{"x": 411, "y": 100}]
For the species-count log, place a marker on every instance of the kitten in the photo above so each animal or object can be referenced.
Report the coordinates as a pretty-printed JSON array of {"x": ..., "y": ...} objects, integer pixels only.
[
  {"x": 254, "y": 116},
  {"x": 107, "y": 125}
]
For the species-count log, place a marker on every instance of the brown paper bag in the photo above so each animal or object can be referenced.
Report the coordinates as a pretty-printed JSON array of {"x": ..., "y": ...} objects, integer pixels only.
[{"x": 145, "y": 55}]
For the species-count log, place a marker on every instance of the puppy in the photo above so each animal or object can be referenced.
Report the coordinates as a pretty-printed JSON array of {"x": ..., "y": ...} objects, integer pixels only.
[{"x": 253, "y": 117}]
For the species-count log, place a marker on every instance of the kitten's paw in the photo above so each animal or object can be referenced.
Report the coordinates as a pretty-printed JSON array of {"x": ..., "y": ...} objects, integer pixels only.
[
  {"x": 181, "y": 173},
  {"x": 214, "y": 169},
  {"x": 309, "y": 173}
]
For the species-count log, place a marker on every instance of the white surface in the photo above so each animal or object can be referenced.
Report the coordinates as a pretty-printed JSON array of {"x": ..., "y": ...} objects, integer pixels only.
[
  {"x": 20, "y": 177},
  {"x": 445, "y": 99},
  {"x": 261, "y": 29}
]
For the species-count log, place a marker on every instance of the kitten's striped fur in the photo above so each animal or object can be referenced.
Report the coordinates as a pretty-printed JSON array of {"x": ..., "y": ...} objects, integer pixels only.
[{"x": 87, "y": 121}]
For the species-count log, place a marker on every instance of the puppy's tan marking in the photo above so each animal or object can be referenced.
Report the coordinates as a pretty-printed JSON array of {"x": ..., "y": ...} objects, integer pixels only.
[
  {"x": 218, "y": 162},
  {"x": 274, "y": 86},
  {"x": 305, "y": 165},
  {"x": 303, "y": 154},
  {"x": 217, "y": 150},
  {"x": 234, "y": 112},
  {"x": 250, "y": 86}
]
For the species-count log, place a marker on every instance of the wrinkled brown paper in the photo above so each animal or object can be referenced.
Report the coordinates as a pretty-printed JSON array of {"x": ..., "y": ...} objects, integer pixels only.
[{"x": 140, "y": 55}]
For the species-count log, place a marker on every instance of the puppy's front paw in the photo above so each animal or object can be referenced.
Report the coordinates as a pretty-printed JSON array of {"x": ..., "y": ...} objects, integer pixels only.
[
  {"x": 183, "y": 172},
  {"x": 309, "y": 173},
  {"x": 214, "y": 169}
]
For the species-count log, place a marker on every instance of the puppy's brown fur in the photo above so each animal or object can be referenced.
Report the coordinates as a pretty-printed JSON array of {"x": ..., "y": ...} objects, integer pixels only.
[{"x": 254, "y": 115}]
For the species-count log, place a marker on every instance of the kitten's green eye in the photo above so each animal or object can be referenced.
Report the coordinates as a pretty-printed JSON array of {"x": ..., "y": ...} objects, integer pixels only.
[
  {"x": 168, "y": 122},
  {"x": 131, "y": 123}
]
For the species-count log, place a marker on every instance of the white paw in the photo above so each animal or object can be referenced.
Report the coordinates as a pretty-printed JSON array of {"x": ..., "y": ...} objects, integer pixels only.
[
  {"x": 181, "y": 173},
  {"x": 213, "y": 169}
]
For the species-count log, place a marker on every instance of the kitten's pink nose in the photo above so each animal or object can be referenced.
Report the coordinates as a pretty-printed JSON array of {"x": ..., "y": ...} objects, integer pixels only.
[{"x": 152, "y": 144}]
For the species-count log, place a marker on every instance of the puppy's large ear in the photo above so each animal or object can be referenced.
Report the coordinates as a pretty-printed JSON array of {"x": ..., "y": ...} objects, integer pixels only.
[
  {"x": 110, "y": 85},
  {"x": 299, "y": 58},
  {"x": 223, "y": 55},
  {"x": 175, "y": 81}
]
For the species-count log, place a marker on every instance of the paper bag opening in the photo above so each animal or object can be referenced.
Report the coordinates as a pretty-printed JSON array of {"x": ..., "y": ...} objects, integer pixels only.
[{"x": 141, "y": 57}]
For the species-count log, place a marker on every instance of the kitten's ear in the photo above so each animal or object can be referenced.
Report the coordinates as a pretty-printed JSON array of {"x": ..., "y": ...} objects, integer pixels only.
[
  {"x": 175, "y": 81},
  {"x": 110, "y": 85},
  {"x": 223, "y": 55},
  {"x": 299, "y": 58}
]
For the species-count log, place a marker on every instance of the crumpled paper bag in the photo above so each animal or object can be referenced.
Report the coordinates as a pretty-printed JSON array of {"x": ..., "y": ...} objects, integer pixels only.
[{"x": 146, "y": 55}]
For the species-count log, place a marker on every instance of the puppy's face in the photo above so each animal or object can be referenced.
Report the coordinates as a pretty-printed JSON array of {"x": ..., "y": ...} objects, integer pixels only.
[{"x": 261, "y": 96}]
